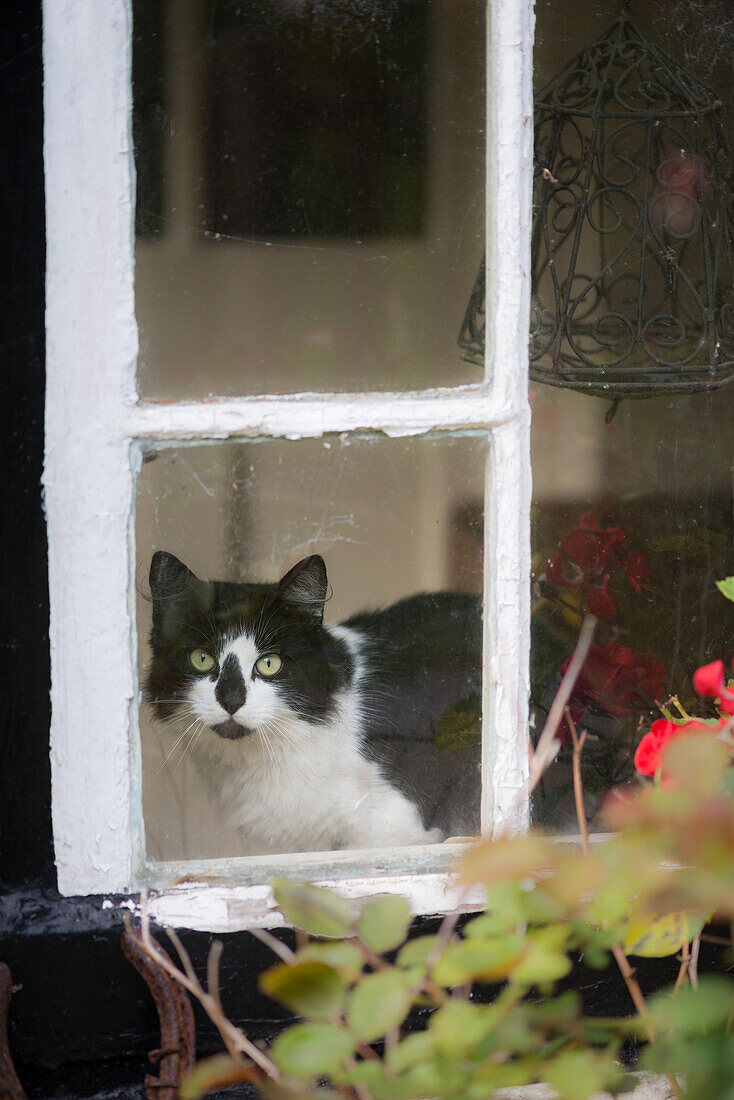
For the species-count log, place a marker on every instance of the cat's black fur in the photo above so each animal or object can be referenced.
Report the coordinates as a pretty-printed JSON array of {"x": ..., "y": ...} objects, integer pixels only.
[{"x": 415, "y": 668}]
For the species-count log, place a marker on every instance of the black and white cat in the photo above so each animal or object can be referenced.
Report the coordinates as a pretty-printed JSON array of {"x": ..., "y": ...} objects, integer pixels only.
[{"x": 319, "y": 737}]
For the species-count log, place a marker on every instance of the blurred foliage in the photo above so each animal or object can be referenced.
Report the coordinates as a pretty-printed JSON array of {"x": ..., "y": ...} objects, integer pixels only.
[{"x": 647, "y": 889}]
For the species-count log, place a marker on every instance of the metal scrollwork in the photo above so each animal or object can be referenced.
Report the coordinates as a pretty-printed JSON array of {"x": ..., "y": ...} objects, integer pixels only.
[{"x": 632, "y": 262}]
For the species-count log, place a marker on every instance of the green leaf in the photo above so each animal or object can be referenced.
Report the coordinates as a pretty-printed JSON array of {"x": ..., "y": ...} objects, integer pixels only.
[
  {"x": 416, "y": 952},
  {"x": 509, "y": 858},
  {"x": 695, "y": 1011},
  {"x": 345, "y": 958},
  {"x": 372, "y": 1076},
  {"x": 490, "y": 960},
  {"x": 315, "y": 909},
  {"x": 215, "y": 1073},
  {"x": 310, "y": 989},
  {"x": 378, "y": 1004},
  {"x": 436, "y": 1079},
  {"x": 412, "y": 1050},
  {"x": 488, "y": 1077},
  {"x": 459, "y": 1026},
  {"x": 504, "y": 915},
  {"x": 286, "y": 1089},
  {"x": 460, "y": 725},
  {"x": 726, "y": 587},
  {"x": 378, "y": 1082},
  {"x": 383, "y": 924},
  {"x": 541, "y": 965},
  {"x": 596, "y": 957},
  {"x": 311, "y": 1050},
  {"x": 654, "y": 936},
  {"x": 579, "y": 1074}
]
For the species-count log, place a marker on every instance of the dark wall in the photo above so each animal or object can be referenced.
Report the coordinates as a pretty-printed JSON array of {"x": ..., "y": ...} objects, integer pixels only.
[{"x": 25, "y": 831}]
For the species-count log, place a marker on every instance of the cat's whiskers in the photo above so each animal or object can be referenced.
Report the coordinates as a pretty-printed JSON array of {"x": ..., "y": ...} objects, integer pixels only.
[
  {"x": 175, "y": 744},
  {"x": 283, "y": 733},
  {"x": 207, "y": 635},
  {"x": 265, "y": 741},
  {"x": 264, "y": 630},
  {"x": 192, "y": 741}
]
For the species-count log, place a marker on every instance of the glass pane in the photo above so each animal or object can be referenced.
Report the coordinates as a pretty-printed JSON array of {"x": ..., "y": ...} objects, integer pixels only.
[
  {"x": 633, "y": 516},
  {"x": 264, "y": 731},
  {"x": 310, "y": 211}
]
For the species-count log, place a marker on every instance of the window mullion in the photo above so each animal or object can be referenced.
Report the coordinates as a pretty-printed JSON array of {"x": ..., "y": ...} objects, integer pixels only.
[
  {"x": 312, "y": 415},
  {"x": 88, "y": 483},
  {"x": 507, "y": 501}
]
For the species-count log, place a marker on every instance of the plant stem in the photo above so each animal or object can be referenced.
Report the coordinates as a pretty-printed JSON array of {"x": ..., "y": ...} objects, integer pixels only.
[
  {"x": 685, "y": 961},
  {"x": 282, "y": 950},
  {"x": 628, "y": 974},
  {"x": 547, "y": 747},
  {"x": 633, "y": 986},
  {"x": 693, "y": 964},
  {"x": 233, "y": 1037},
  {"x": 578, "y": 788}
]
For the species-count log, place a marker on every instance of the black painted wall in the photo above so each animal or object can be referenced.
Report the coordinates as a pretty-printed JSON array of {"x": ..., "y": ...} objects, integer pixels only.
[{"x": 25, "y": 833}]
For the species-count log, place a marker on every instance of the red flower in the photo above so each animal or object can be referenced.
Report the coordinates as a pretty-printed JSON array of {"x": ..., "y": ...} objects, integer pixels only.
[
  {"x": 710, "y": 680},
  {"x": 648, "y": 757},
  {"x": 555, "y": 574},
  {"x": 587, "y": 553},
  {"x": 638, "y": 570},
  {"x": 620, "y": 679},
  {"x": 589, "y": 545},
  {"x": 600, "y": 600}
]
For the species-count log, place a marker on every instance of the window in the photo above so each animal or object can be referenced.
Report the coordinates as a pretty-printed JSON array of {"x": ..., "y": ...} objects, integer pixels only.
[
  {"x": 131, "y": 457},
  {"x": 632, "y": 510}
]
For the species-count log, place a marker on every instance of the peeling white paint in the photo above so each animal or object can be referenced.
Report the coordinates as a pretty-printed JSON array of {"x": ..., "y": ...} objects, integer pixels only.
[
  {"x": 309, "y": 415},
  {"x": 94, "y": 418},
  {"x": 91, "y": 353},
  {"x": 235, "y": 908},
  {"x": 507, "y": 501}
]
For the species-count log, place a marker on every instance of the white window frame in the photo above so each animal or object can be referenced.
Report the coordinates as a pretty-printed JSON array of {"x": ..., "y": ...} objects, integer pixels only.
[{"x": 95, "y": 425}]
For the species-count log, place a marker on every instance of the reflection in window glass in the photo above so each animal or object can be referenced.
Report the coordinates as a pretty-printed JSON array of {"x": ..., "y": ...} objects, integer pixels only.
[
  {"x": 310, "y": 193},
  {"x": 311, "y": 646},
  {"x": 632, "y": 512}
]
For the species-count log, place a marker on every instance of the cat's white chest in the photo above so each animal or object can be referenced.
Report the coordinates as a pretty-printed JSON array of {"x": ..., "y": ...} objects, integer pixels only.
[{"x": 309, "y": 789}]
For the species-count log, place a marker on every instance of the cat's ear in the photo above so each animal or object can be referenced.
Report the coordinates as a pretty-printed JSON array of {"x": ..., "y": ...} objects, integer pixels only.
[
  {"x": 167, "y": 575},
  {"x": 304, "y": 586}
]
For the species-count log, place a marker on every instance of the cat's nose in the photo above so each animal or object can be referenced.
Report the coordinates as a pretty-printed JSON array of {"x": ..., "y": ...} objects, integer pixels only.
[{"x": 230, "y": 691}]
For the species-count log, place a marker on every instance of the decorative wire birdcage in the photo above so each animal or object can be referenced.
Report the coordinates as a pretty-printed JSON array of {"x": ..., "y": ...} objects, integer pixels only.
[{"x": 632, "y": 262}]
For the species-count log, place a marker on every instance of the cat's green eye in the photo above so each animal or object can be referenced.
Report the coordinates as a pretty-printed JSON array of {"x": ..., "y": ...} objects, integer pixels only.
[
  {"x": 201, "y": 660},
  {"x": 269, "y": 665}
]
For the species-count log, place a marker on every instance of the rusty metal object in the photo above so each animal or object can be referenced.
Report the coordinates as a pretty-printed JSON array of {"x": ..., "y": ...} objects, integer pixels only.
[
  {"x": 177, "y": 1053},
  {"x": 10, "y": 1086}
]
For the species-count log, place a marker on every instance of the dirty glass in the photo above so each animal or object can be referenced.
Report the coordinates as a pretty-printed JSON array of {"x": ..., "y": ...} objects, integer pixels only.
[
  {"x": 310, "y": 210},
  {"x": 266, "y": 728},
  {"x": 632, "y": 516}
]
